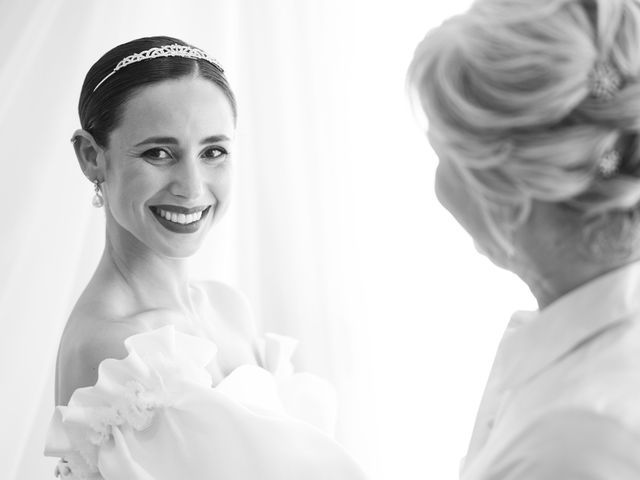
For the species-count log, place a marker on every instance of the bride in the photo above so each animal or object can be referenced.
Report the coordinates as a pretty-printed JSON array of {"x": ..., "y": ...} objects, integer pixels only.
[{"x": 159, "y": 378}]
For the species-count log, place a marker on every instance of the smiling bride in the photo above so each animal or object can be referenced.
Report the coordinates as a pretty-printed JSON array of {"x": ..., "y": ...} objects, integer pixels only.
[{"x": 157, "y": 377}]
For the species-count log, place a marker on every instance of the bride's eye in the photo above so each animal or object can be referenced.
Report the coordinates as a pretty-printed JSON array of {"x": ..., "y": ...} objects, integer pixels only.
[
  {"x": 157, "y": 155},
  {"x": 214, "y": 153}
]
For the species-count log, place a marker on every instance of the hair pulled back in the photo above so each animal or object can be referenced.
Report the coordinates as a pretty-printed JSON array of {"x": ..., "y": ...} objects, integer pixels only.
[
  {"x": 101, "y": 110},
  {"x": 505, "y": 89}
]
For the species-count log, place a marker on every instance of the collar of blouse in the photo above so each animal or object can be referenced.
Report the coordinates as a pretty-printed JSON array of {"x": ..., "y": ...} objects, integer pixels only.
[{"x": 535, "y": 340}]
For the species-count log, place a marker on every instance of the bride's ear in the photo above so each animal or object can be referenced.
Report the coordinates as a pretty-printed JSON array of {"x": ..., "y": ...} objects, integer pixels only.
[{"x": 90, "y": 155}]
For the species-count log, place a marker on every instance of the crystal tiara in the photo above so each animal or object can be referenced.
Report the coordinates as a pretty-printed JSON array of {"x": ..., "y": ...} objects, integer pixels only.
[{"x": 173, "y": 50}]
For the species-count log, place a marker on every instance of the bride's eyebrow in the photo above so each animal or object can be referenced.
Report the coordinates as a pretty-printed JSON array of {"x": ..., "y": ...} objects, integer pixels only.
[
  {"x": 215, "y": 139},
  {"x": 174, "y": 141},
  {"x": 155, "y": 140}
]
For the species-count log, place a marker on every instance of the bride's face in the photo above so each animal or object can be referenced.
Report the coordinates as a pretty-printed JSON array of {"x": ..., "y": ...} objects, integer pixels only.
[{"x": 168, "y": 166}]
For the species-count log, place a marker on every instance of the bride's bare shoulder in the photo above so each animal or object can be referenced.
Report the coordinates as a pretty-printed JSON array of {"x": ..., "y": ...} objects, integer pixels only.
[
  {"x": 92, "y": 334},
  {"x": 231, "y": 305}
]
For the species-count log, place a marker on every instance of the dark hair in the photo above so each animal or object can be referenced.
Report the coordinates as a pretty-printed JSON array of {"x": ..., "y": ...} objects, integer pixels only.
[{"x": 100, "y": 111}]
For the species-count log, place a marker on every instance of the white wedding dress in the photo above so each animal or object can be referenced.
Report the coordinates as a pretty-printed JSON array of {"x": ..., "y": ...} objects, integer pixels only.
[{"x": 156, "y": 415}]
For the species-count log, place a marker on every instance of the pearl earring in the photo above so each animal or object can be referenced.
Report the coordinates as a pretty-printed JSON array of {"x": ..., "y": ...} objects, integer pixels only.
[{"x": 97, "y": 200}]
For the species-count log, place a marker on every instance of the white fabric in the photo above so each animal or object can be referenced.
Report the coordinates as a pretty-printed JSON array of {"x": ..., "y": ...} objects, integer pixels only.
[
  {"x": 562, "y": 397},
  {"x": 155, "y": 415}
]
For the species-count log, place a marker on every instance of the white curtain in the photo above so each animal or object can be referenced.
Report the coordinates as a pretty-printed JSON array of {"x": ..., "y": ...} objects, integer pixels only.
[{"x": 334, "y": 233}]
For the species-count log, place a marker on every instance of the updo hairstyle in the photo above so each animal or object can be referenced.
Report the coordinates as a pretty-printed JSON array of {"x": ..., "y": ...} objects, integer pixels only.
[
  {"x": 506, "y": 91},
  {"x": 101, "y": 110}
]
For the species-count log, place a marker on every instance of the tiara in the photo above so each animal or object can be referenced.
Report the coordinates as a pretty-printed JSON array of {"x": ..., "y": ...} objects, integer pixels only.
[{"x": 174, "y": 50}]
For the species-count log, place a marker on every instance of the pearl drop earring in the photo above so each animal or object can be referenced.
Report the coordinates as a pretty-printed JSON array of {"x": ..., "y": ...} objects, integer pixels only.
[{"x": 97, "y": 200}]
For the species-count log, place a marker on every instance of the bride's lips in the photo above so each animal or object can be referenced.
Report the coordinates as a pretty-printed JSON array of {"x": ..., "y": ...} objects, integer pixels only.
[{"x": 179, "y": 219}]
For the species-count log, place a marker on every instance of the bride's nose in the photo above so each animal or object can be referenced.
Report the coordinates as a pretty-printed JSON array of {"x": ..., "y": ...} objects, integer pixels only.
[{"x": 187, "y": 179}]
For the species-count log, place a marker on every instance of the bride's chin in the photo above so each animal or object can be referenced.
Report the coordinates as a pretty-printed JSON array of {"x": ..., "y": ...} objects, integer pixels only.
[
  {"x": 174, "y": 245},
  {"x": 178, "y": 252}
]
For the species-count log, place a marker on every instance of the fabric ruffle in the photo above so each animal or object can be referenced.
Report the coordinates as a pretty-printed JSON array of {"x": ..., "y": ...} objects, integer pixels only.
[{"x": 154, "y": 413}]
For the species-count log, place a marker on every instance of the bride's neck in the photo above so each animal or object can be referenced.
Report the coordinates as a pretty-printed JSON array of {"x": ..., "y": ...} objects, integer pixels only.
[{"x": 152, "y": 280}]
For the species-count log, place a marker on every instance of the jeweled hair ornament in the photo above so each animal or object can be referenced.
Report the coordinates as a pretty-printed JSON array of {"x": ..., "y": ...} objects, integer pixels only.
[
  {"x": 609, "y": 164},
  {"x": 604, "y": 81},
  {"x": 173, "y": 50}
]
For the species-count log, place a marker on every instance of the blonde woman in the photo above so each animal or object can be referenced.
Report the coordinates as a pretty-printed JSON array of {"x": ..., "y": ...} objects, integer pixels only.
[{"x": 533, "y": 108}]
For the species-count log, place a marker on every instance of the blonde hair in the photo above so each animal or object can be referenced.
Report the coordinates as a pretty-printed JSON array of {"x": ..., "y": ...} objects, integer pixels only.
[{"x": 505, "y": 89}]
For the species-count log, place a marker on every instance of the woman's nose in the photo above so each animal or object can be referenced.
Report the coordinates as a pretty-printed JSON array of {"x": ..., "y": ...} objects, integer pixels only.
[{"x": 188, "y": 180}]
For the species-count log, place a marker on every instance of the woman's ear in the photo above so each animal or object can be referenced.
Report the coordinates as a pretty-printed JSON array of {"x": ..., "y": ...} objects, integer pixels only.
[{"x": 90, "y": 155}]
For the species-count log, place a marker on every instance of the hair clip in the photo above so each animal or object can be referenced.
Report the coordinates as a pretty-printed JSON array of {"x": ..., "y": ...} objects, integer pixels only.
[
  {"x": 604, "y": 81},
  {"x": 609, "y": 164}
]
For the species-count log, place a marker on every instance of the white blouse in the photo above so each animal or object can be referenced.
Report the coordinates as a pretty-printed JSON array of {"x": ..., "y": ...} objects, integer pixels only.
[{"x": 563, "y": 397}]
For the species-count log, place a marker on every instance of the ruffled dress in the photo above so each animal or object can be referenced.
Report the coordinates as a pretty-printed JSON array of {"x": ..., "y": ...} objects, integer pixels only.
[{"x": 156, "y": 415}]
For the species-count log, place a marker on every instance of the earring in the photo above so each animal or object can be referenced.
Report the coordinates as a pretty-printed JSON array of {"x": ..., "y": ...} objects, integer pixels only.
[{"x": 97, "y": 200}]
